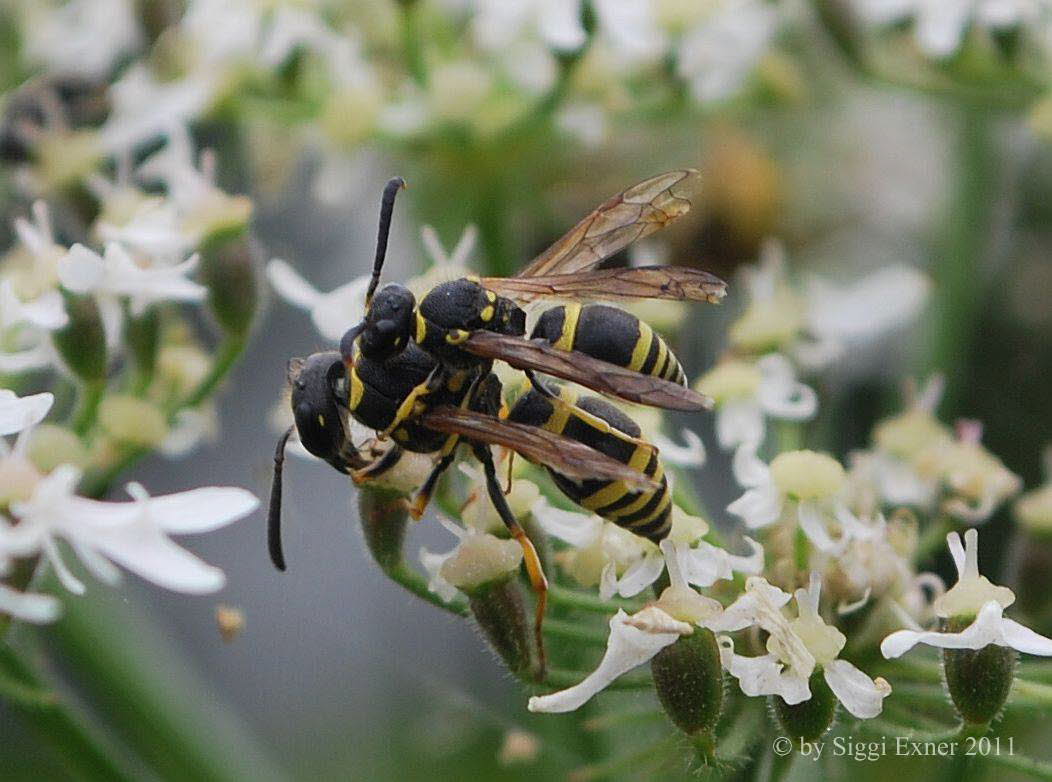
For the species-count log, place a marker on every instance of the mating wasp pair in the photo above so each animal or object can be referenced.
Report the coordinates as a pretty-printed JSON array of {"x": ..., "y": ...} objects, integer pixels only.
[{"x": 421, "y": 372}]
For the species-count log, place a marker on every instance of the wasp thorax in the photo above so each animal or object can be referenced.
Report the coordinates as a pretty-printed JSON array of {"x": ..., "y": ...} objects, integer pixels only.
[
  {"x": 315, "y": 391},
  {"x": 388, "y": 323}
]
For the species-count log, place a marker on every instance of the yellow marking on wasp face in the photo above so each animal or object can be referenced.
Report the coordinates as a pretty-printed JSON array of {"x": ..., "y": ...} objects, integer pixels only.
[
  {"x": 491, "y": 297},
  {"x": 473, "y": 278},
  {"x": 642, "y": 348},
  {"x": 401, "y": 435},
  {"x": 321, "y": 420},
  {"x": 487, "y": 313},
  {"x": 571, "y": 313},
  {"x": 421, "y": 327},
  {"x": 456, "y": 336},
  {"x": 357, "y": 390}
]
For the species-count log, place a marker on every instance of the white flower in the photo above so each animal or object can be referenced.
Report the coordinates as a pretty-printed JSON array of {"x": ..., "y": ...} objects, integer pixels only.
[
  {"x": 745, "y": 392},
  {"x": 144, "y": 107},
  {"x": 83, "y": 38},
  {"x": 701, "y": 563},
  {"x": 602, "y": 553},
  {"x": 478, "y": 558},
  {"x": 497, "y": 24},
  {"x": 977, "y": 480},
  {"x": 25, "y": 325},
  {"x": 804, "y": 483},
  {"x": 720, "y": 52},
  {"x": 841, "y": 316},
  {"x": 940, "y": 25},
  {"x": 332, "y": 313},
  {"x": 635, "y": 639},
  {"x": 972, "y": 596},
  {"x": 796, "y": 648},
  {"x": 114, "y": 276},
  {"x": 19, "y": 413},
  {"x": 131, "y": 534}
]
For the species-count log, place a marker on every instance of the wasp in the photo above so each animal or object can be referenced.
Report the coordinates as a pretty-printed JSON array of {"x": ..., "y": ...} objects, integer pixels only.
[{"x": 421, "y": 374}]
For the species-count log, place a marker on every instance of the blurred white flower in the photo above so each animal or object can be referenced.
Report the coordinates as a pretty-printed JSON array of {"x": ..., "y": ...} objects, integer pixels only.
[
  {"x": 719, "y": 53},
  {"x": 840, "y": 316},
  {"x": 478, "y": 558},
  {"x": 332, "y": 313},
  {"x": 496, "y": 24},
  {"x": 972, "y": 597},
  {"x": 20, "y": 413},
  {"x": 940, "y": 25},
  {"x": 804, "y": 484},
  {"x": 114, "y": 276},
  {"x": 83, "y": 38},
  {"x": 796, "y": 648},
  {"x": 978, "y": 481},
  {"x": 131, "y": 534},
  {"x": 746, "y": 392},
  {"x": 144, "y": 107}
]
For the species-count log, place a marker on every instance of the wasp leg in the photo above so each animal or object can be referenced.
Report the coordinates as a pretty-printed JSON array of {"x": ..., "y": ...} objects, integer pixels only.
[
  {"x": 378, "y": 466},
  {"x": 432, "y": 383},
  {"x": 533, "y": 562},
  {"x": 539, "y": 384},
  {"x": 423, "y": 494}
]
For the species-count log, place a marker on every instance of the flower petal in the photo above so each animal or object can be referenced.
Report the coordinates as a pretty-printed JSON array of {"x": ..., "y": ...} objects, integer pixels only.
[
  {"x": 739, "y": 421},
  {"x": 19, "y": 413},
  {"x": 758, "y": 507},
  {"x": 985, "y": 630},
  {"x": 691, "y": 454},
  {"x": 1023, "y": 639},
  {"x": 641, "y": 574},
  {"x": 200, "y": 510},
  {"x": 577, "y": 529},
  {"x": 814, "y": 526},
  {"x": 81, "y": 270},
  {"x": 628, "y": 647},
  {"x": 28, "y": 606},
  {"x": 861, "y": 695},
  {"x": 433, "y": 563},
  {"x": 290, "y": 286},
  {"x": 763, "y": 675}
]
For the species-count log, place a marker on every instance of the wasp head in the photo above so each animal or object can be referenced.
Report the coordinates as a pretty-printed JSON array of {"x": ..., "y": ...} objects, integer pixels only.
[
  {"x": 319, "y": 382},
  {"x": 388, "y": 324}
]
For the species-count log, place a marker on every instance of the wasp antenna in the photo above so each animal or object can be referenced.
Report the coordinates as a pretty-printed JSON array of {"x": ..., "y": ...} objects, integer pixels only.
[
  {"x": 277, "y": 556},
  {"x": 386, "y": 209}
]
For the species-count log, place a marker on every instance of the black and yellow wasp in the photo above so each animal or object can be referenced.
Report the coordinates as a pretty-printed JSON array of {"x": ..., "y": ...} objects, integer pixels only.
[{"x": 422, "y": 373}]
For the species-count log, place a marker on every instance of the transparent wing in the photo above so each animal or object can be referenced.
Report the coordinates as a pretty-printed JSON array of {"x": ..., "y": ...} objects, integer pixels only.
[{"x": 644, "y": 282}]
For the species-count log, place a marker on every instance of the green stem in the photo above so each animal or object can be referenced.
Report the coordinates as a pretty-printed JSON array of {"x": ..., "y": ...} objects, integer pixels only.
[
  {"x": 229, "y": 352},
  {"x": 615, "y": 719},
  {"x": 1038, "y": 769},
  {"x": 412, "y": 581},
  {"x": 1033, "y": 692},
  {"x": 91, "y": 393},
  {"x": 411, "y": 45},
  {"x": 575, "y": 631},
  {"x": 629, "y": 762},
  {"x": 50, "y": 719},
  {"x": 572, "y": 598},
  {"x": 957, "y": 294}
]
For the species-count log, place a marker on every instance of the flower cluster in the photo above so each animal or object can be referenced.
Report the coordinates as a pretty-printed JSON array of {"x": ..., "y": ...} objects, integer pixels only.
[{"x": 106, "y": 320}]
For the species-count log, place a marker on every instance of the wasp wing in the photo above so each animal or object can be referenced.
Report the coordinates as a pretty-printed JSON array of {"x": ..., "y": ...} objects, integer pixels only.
[
  {"x": 563, "y": 455},
  {"x": 677, "y": 283},
  {"x": 616, "y": 223},
  {"x": 598, "y": 375}
]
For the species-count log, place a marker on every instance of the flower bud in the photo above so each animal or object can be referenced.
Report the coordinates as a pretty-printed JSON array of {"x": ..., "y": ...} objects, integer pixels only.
[
  {"x": 129, "y": 419},
  {"x": 811, "y": 718},
  {"x": 978, "y": 680},
  {"x": 499, "y": 608},
  {"x": 384, "y": 516},
  {"x": 82, "y": 342},
  {"x": 689, "y": 681},
  {"x": 730, "y": 380},
  {"x": 484, "y": 568},
  {"x": 229, "y": 271},
  {"x": 142, "y": 335},
  {"x": 51, "y": 445},
  {"x": 807, "y": 475}
]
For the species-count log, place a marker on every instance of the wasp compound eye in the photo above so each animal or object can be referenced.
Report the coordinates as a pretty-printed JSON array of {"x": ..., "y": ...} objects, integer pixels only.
[{"x": 316, "y": 408}]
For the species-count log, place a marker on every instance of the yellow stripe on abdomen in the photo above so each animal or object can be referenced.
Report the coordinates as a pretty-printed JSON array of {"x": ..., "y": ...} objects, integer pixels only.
[
  {"x": 572, "y": 312},
  {"x": 642, "y": 348}
]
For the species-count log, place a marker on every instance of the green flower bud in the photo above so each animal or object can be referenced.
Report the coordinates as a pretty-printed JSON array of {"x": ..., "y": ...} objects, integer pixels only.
[
  {"x": 384, "y": 515},
  {"x": 689, "y": 681},
  {"x": 51, "y": 445},
  {"x": 979, "y": 680},
  {"x": 229, "y": 271},
  {"x": 810, "y": 719},
  {"x": 82, "y": 342},
  {"x": 143, "y": 336},
  {"x": 129, "y": 419},
  {"x": 500, "y": 611}
]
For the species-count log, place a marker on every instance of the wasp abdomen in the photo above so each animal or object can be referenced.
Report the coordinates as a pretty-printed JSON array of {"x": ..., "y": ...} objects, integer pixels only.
[
  {"x": 646, "y": 513},
  {"x": 610, "y": 334}
]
